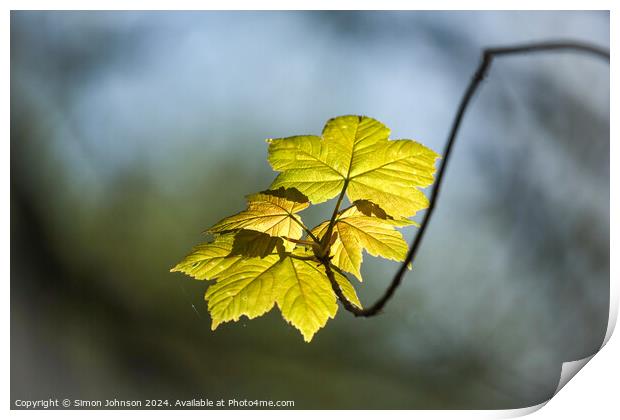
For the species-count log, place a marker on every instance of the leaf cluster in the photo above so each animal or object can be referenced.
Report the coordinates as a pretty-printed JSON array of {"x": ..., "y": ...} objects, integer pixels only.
[{"x": 266, "y": 256}]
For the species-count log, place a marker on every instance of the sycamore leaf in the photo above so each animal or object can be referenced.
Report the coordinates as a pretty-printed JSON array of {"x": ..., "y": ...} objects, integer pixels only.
[
  {"x": 355, "y": 152},
  {"x": 271, "y": 212},
  {"x": 305, "y": 296},
  {"x": 208, "y": 260},
  {"x": 301, "y": 289},
  {"x": 251, "y": 276},
  {"x": 245, "y": 288},
  {"x": 242, "y": 263},
  {"x": 250, "y": 243},
  {"x": 256, "y": 258},
  {"x": 370, "y": 209},
  {"x": 357, "y": 231}
]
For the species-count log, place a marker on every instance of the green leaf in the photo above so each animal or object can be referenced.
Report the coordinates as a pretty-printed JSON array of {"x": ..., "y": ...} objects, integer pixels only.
[
  {"x": 357, "y": 231},
  {"x": 245, "y": 288},
  {"x": 305, "y": 296},
  {"x": 370, "y": 209},
  {"x": 251, "y": 278},
  {"x": 209, "y": 260},
  {"x": 250, "y": 243},
  {"x": 271, "y": 212},
  {"x": 255, "y": 257},
  {"x": 355, "y": 150}
]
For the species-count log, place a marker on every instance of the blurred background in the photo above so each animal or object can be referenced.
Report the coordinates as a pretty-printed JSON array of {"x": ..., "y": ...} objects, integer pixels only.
[{"x": 131, "y": 132}]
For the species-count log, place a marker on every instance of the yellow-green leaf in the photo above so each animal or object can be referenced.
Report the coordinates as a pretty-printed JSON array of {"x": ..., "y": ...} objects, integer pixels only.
[
  {"x": 255, "y": 257},
  {"x": 370, "y": 209},
  {"x": 250, "y": 286},
  {"x": 355, "y": 150},
  {"x": 245, "y": 288},
  {"x": 357, "y": 231},
  {"x": 208, "y": 260},
  {"x": 271, "y": 212},
  {"x": 250, "y": 243},
  {"x": 305, "y": 296}
]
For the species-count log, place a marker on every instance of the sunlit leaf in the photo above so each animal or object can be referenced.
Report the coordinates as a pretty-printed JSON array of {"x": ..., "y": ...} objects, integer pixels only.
[
  {"x": 355, "y": 151},
  {"x": 271, "y": 212},
  {"x": 368, "y": 208},
  {"x": 208, "y": 260},
  {"x": 356, "y": 232},
  {"x": 245, "y": 288},
  {"x": 251, "y": 285},
  {"x": 259, "y": 258},
  {"x": 250, "y": 243},
  {"x": 305, "y": 297},
  {"x": 301, "y": 289}
]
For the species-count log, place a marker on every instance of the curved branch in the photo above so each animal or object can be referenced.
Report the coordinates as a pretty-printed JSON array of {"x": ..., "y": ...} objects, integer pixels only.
[{"x": 487, "y": 58}]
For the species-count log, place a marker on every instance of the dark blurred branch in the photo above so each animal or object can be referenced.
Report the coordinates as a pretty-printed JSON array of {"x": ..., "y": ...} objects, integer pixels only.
[{"x": 485, "y": 63}]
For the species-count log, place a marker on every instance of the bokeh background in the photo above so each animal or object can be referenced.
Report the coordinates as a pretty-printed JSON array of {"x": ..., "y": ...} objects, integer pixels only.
[{"x": 131, "y": 132}]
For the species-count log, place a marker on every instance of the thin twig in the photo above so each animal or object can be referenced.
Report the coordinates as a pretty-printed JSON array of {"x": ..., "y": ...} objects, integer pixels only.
[{"x": 479, "y": 75}]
